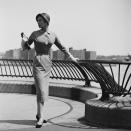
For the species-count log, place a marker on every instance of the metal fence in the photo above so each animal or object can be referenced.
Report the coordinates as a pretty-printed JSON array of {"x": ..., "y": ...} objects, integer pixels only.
[{"x": 114, "y": 77}]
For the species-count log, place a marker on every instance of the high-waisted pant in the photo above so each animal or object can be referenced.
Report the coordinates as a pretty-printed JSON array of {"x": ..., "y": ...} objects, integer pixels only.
[{"x": 41, "y": 71}]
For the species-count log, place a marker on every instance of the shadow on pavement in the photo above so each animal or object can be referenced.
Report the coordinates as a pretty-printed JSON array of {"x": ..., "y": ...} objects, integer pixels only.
[{"x": 19, "y": 122}]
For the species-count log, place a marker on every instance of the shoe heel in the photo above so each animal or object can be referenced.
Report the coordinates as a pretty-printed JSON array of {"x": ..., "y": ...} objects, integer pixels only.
[{"x": 37, "y": 117}]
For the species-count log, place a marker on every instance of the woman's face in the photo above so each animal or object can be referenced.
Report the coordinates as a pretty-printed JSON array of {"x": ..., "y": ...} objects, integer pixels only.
[{"x": 41, "y": 22}]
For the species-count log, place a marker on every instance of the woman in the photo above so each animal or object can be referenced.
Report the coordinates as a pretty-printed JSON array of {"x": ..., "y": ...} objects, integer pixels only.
[{"x": 43, "y": 40}]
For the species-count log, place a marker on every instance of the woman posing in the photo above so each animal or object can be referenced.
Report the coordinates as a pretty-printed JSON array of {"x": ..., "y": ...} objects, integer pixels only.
[{"x": 43, "y": 41}]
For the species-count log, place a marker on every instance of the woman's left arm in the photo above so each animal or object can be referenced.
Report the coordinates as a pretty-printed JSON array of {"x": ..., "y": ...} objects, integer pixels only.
[{"x": 63, "y": 49}]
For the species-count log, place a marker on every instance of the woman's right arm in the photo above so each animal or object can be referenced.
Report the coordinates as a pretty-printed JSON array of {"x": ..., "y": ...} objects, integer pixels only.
[
  {"x": 26, "y": 42},
  {"x": 31, "y": 39}
]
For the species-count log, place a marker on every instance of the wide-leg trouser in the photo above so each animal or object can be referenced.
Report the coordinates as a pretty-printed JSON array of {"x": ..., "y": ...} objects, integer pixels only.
[{"x": 41, "y": 71}]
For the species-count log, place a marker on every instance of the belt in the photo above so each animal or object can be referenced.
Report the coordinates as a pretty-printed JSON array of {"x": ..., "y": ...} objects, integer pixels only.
[{"x": 42, "y": 54}]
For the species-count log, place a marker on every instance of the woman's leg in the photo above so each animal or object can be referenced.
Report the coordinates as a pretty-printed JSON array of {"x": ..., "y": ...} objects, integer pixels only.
[
  {"x": 41, "y": 71},
  {"x": 40, "y": 107},
  {"x": 42, "y": 86}
]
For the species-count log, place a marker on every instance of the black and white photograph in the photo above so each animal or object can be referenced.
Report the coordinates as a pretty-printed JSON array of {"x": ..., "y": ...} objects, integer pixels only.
[{"x": 65, "y": 65}]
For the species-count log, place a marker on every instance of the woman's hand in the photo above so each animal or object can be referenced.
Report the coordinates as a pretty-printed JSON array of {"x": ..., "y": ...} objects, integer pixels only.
[
  {"x": 24, "y": 45},
  {"x": 24, "y": 42},
  {"x": 74, "y": 59}
]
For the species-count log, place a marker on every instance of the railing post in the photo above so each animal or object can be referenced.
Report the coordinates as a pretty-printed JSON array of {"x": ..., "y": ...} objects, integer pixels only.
[
  {"x": 87, "y": 81},
  {"x": 105, "y": 96}
]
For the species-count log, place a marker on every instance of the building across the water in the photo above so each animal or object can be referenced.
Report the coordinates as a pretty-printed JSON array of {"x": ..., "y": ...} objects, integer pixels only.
[
  {"x": 55, "y": 55},
  {"x": 81, "y": 54},
  {"x": 19, "y": 54}
]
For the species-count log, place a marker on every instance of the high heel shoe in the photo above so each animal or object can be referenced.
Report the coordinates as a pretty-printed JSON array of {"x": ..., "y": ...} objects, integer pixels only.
[
  {"x": 37, "y": 117},
  {"x": 39, "y": 124}
]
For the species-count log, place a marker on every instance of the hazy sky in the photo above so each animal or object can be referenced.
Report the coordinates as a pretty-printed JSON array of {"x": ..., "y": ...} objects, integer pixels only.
[{"x": 103, "y": 26}]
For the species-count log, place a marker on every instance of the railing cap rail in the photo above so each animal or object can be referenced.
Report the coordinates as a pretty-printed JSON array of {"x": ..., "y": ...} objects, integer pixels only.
[{"x": 107, "y": 61}]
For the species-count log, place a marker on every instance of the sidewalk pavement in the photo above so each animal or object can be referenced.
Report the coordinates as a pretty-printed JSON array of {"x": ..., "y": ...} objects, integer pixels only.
[{"x": 17, "y": 113}]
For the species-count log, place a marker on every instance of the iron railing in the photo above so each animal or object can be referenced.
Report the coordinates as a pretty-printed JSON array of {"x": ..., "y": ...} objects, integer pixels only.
[
  {"x": 65, "y": 70},
  {"x": 114, "y": 77}
]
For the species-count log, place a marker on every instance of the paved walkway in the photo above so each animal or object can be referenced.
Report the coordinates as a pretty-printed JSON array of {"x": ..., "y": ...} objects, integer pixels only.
[{"x": 17, "y": 113}]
